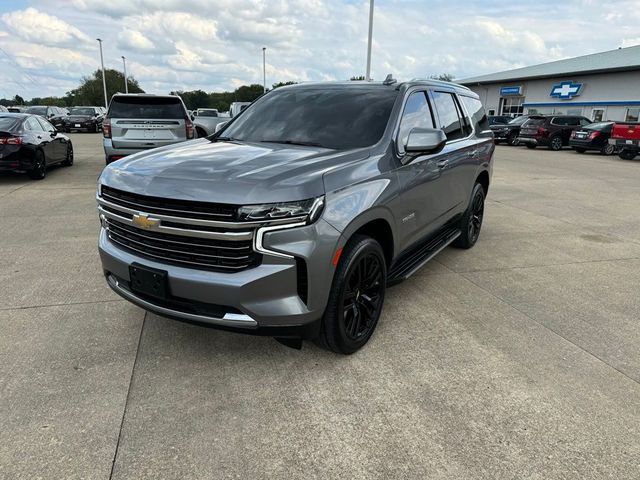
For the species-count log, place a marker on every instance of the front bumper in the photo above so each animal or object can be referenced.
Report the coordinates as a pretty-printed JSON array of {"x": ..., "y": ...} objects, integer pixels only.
[{"x": 264, "y": 300}]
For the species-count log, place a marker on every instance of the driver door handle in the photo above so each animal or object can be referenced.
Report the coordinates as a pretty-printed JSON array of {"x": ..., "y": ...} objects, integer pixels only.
[{"x": 442, "y": 163}]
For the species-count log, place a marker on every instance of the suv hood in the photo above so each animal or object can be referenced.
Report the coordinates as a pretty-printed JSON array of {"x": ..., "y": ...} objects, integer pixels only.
[{"x": 225, "y": 172}]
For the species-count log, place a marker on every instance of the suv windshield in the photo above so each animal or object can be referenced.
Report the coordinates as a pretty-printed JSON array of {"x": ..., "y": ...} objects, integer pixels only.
[
  {"x": 146, "y": 107},
  {"x": 207, "y": 113},
  {"x": 336, "y": 118},
  {"x": 37, "y": 110},
  {"x": 82, "y": 111}
]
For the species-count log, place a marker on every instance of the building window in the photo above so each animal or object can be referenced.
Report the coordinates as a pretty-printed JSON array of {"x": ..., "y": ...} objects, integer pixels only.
[
  {"x": 597, "y": 114},
  {"x": 633, "y": 114},
  {"x": 512, "y": 106}
]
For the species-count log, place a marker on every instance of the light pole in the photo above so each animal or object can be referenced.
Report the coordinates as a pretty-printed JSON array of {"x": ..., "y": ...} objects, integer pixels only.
[
  {"x": 124, "y": 66},
  {"x": 264, "y": 69},
  {"x": 104, "y": 80},
  {"x": 368, "y": 76}
]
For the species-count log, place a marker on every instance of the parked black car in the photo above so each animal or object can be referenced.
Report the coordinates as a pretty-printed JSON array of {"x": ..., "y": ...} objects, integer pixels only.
[
  {"x": 54, "y": 115},
  {"x": 593, "y": 137},
  {"x": 552, "y": 131},
  {"x": 508, "y": 133},
  {"x": 29, "y": 143},
  {"x": 498, "y": 119},
  {"x": 87, "y": 119}
]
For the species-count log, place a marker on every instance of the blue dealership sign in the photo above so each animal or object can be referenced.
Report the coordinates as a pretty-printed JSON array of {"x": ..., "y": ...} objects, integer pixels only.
[
  {"x": 506, "y": 91},
  {"x": 566, "y": 90}
]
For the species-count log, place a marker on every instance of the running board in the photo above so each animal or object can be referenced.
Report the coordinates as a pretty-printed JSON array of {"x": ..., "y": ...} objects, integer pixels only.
[{"x": 412, "y": 261}]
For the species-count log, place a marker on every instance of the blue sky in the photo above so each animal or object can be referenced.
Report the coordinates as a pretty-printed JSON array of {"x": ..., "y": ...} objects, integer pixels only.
[{"x": 48, "y": 45}]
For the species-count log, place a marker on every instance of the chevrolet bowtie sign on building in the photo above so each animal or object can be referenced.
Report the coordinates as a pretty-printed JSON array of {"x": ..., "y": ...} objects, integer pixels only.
[
  {"x": 600, "y": 86},
  {"x": 566, "y": 90}
]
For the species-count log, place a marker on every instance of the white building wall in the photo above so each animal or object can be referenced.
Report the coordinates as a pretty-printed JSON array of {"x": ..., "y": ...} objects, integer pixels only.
[{"x": 612, "y": 92}]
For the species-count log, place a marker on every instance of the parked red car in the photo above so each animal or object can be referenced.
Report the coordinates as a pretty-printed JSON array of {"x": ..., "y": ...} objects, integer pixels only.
[{"x": 626, "y": 137}]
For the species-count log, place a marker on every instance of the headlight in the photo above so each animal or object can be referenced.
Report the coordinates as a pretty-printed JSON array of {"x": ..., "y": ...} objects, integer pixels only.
[{"x": 304, "y": 210}]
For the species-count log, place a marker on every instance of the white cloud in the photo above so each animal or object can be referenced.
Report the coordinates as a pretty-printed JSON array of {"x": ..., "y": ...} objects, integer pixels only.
[
  {"x": 217, "y": 44},
  {"x": 37, "y": 27}
]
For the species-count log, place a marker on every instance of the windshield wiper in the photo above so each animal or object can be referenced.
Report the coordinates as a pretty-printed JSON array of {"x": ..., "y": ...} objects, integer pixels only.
[
  {"x": 295, "y": 142},
  {"x": 225, "y": 139}
]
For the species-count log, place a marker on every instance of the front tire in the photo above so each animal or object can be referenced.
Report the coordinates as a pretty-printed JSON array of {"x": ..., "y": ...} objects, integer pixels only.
[
  {"x": 512, "y": 139},
  {"x": 68, "y": 161},
  {"x": 471, "y": 222},
  {"x": 356, "y": 297}
]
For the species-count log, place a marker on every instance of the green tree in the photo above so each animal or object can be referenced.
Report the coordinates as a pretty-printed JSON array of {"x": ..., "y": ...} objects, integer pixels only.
[
  {"x": 283, "y": 84},
  {"x": 18, "y": 100},
  {"x": 357, "y": 78},
  {"x": 445, "y": 77},
  {"x": 90, "y": 91}
]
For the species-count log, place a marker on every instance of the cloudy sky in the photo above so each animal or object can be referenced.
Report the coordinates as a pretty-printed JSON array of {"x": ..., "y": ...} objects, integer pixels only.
[{"x": 46, "y": 46}]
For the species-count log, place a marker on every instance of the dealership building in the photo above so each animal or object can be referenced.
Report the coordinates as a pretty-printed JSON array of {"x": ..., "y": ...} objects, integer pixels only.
[{"x": 601, "y": 86}]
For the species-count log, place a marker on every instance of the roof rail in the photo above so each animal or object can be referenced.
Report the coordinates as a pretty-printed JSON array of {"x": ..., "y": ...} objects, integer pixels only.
[{"x": 439, "y": 82}]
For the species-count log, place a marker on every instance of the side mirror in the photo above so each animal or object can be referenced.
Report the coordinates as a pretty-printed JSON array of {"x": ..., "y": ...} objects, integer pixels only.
[
  {"x": 54, "y": 133},
  {"x": 219, "y": 126},
  {"x": 425, "y": 140},
  {"x": 193, "y": 117}
]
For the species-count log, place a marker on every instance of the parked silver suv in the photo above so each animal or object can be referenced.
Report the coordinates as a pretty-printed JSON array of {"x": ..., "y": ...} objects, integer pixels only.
[
  {"x": 292, "y": 220},
  {"x": 137, "y": 122}
]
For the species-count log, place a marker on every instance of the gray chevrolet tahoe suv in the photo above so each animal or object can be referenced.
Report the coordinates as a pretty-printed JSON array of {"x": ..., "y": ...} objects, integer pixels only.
[
  {"x": 293, "y": 219},
  {"x": 140, "y": 121}
]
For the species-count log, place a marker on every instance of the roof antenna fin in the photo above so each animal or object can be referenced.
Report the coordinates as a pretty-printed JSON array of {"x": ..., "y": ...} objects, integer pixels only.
[{"x": 389, "y": 80}]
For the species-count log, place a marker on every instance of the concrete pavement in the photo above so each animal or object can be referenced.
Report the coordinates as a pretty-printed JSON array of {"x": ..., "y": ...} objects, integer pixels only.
[{"x": 516, "y": 359}]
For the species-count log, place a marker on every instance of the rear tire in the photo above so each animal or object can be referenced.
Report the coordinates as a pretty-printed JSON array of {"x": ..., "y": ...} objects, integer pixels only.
[
  {"x": 555, "y": 144},
  {"x": 627, "y": 154},
  {"x": 356, "y": 297},
  {"x": 471, "y": 222},
  {"x": 608, "y": 149},
  {"x": 39, "y": 170}
]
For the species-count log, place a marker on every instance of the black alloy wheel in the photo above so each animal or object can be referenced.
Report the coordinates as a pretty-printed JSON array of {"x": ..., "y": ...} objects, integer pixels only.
[
  {"x": 356, "y": 297},
  {"x": 512, "y": 139},
  {"x": 39, "y": 170},
  {"x": 556, "y": 143},
  {"x": 362, "y": 297},
  {"x": 68, "y": 161},
  {"x": 471, "y": 222}
]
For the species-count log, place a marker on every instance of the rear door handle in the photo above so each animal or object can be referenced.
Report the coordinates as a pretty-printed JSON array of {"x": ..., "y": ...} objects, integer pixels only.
[
  {"x": 472, "y": 153},
  {"x": 442, "y": 163}
]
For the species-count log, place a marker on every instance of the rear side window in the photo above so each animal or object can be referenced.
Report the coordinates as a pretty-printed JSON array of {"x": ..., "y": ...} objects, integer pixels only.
[
  {"x": 46, "y": 125},
  {"x": 146, "y": 107},
  {"x": 535, "y": 121},
  {"x": 417, "y": 114},
  {"x": 32, "y": 124},
  {"x": 448, "y": 114},
  {"x": 476, "y": 110}
]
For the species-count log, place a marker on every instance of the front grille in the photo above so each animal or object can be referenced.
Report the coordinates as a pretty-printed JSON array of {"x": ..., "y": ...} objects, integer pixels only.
[
  {"x": 172, "y": 207},
  {"x": 186, "y": 251}
]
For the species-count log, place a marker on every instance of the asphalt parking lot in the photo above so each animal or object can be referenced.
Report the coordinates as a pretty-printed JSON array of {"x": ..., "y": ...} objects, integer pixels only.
[{"x": 517, "y": 359}]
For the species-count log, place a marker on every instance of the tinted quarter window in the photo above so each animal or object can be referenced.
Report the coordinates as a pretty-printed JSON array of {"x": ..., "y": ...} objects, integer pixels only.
[
  {"x": 476, "y": 110},
  {"x": 32, "y": 124},
  {"x": 37, "y": 110},
  {"x": 448, "y": 113},
  {"x": 337, "y": 118},
  {"x": 416, "y": 114},
  {"x": 146, "y": 108},
  {"x": 584, "y": 121},
  {"x": 46, "y": 125}
]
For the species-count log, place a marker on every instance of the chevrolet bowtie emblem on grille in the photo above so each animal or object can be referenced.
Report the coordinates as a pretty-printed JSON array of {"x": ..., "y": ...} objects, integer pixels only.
[{"x": 142, "y": 220}]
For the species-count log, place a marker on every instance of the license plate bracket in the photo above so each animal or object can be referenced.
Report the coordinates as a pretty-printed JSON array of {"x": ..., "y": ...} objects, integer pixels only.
[{"x": 148, "y": 281}]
